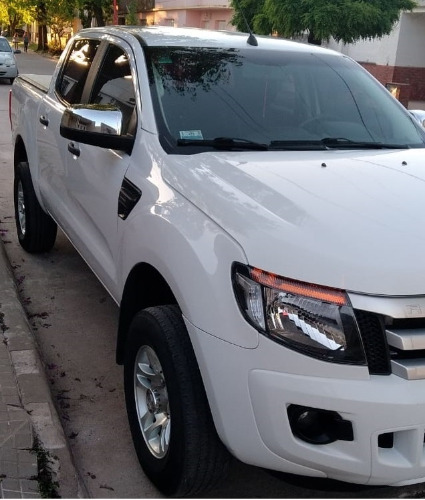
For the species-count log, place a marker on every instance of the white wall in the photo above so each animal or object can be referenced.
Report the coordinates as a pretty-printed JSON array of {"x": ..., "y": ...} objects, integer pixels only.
[
  {"x": 411, "y": 43},
  {"x": 403, "y": 47},
  {"x": 379, "y": 50}
]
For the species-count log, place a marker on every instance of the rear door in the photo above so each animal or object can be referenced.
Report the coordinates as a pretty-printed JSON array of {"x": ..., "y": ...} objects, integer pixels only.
[{"x": 52, "y": 148}]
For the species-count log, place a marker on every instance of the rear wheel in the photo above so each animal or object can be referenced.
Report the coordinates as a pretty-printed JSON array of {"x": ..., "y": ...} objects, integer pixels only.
[
  {"x": 36, "y": 229},
  {"x": 170, "y": 420}
]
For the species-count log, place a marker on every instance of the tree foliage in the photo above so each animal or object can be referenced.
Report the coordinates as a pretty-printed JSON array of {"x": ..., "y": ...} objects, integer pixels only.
[
  {"x": 94, "y": 11},
  {"x": 250, "y": 15},
  {"x": 131, "y": 18},
  {"x": 344, "y": 20},
  {"x": 14, "y": 13},
  {"x": 59, "y": 16}
]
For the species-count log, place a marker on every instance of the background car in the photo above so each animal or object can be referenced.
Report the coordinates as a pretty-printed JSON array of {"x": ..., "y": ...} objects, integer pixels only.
[
  {"x": 419, "y": 115},
  {"x": 8, "y": 66}
]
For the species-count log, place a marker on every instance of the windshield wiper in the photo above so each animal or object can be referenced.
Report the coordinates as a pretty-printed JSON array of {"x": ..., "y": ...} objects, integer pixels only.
[
  {"x": 225, "y": 143},
  {"x": 342, "y": 142},
  {"x": 333, "y": 143},
  {"x": 298, "y": 145},
  {"x": 230, "y": 143}
]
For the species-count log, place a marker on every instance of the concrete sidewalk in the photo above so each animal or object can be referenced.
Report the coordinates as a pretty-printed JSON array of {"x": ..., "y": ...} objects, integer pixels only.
[{"x": 35, "y": 460}]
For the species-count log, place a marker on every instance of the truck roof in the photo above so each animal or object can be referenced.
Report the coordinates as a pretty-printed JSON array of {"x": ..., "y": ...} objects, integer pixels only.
[{"x": 197, "y": 37}]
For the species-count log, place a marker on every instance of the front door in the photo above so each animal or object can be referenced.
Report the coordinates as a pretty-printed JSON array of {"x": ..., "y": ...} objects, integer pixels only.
[{"x": 94, "y": 175}]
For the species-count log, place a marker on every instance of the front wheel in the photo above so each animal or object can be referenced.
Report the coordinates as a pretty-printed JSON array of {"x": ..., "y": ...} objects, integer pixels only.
[
  {"x": 36, "y": 229},
  {"x": 170, "y": 420}
]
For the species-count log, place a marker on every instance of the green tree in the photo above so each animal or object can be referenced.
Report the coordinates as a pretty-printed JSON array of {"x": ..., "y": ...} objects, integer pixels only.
[
  {"x": 98, "y": 10},
  {"x": 41, "y": 17},
  {"x": 59, "y": 16},
  {"x": 131, "y": 18},
  {"x": 250, "y": 15},
  {"x": 15, "y": 13},
  {"x": 344, "y": 20}
]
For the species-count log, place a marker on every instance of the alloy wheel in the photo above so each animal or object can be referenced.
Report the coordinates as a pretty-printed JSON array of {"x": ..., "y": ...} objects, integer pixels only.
[{"x": 151, "y": 398}]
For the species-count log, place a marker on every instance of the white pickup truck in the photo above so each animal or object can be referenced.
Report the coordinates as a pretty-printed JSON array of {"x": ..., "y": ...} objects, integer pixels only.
[{"x": 256, "y": 208}]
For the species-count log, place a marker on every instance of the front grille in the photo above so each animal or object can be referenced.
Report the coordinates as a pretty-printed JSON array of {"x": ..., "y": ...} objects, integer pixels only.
[
  {"x": 393, "y": 346},
  {"x": 374, "y": 342}
]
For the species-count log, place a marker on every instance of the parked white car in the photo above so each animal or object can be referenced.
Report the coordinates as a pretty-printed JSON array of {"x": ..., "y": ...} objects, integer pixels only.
[
  {"x": 419, "y": 115},
  {"x": 8, "y": 66}
]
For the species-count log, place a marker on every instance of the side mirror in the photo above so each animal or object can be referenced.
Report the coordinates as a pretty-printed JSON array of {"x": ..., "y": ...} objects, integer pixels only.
[{"x": 97, "y": 125}]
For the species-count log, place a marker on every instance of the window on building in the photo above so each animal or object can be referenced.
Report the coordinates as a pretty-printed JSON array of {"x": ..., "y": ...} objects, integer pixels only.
[{"x": 220, "y": 25}]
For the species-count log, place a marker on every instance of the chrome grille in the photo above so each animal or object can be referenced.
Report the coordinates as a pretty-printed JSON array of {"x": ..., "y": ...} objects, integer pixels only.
[{"x": 406, "y": 339}]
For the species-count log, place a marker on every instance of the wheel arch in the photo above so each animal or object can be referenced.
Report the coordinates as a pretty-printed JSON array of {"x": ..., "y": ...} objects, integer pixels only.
[
  {"x": 145, "y": 287},
  {"x": 20, "y": 151}
]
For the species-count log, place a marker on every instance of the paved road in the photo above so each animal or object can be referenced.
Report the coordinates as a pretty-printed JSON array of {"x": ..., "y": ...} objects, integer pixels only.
[{"x": 75, "y": 321}]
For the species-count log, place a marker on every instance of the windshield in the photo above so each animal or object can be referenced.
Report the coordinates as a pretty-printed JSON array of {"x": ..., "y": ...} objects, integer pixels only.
[
  {"x": 4, "y": 45},
  {"x": 252, "y": 99}
]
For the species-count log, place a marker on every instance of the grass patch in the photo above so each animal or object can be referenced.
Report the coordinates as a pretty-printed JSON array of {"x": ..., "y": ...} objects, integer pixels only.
[{"x": 47, "y": 487}]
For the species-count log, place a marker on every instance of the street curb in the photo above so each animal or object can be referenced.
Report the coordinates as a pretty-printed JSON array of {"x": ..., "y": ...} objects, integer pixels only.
[{"x": 33, "y": 387}]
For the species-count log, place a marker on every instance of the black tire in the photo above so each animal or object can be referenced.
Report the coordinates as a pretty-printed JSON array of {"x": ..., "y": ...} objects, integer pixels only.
[
  {"x": 187, "y": 457},
  {"x": 11, "y": 80},
  {"x": 36, "y": 229}
]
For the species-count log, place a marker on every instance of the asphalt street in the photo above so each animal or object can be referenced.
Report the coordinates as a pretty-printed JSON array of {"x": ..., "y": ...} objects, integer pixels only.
[{"x": 74, "y": 322}]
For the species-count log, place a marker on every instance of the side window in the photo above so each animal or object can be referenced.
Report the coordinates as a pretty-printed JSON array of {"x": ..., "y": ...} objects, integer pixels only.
[
  {"x": 114, "y": 86},
  {"x": 71, "y": 81}
]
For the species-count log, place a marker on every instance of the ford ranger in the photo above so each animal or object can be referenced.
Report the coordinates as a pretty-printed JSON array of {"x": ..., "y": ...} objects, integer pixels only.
[{"x": 254, "y": 206}]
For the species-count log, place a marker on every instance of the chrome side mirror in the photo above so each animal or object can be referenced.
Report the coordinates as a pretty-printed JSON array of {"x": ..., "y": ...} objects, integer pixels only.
[{"x": 97, "y": 125}]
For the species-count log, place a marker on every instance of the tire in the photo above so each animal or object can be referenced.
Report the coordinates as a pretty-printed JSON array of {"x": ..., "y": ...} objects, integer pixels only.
[
  {"x": 36, "y": 229},
  {"x": 163, "y": 385},
  {"x": 11, "y": 80}
]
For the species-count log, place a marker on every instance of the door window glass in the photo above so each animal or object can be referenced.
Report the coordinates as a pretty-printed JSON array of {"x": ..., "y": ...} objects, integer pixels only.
[
  {"x": 71, "y": 82},
  {"x": 114, "y": 86}
]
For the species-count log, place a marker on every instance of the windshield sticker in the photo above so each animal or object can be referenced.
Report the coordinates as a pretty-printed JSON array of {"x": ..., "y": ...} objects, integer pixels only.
[
  {"x": 194, "y": 135},
  {"x": 165, "y": 60}
]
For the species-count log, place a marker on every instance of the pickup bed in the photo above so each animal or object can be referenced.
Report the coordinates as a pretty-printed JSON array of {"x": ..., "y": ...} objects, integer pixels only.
[{"x": 254, "y": 206}]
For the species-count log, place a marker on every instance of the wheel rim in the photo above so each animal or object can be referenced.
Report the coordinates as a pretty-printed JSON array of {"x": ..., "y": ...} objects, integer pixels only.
[
  {"x": 151, "y": 398},
  {"x": 21, "y": 209}
]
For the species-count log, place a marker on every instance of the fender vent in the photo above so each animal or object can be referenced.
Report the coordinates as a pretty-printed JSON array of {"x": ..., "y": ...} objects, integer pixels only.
[{"x": 129, "y": 196}]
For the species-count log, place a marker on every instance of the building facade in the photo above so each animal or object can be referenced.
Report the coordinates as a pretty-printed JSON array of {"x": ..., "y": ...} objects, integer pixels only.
[{"x": 207, "y": 14}]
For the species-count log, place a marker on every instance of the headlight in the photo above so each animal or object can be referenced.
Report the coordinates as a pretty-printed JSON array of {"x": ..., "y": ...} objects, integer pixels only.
[{"x": 316, "y": 320}]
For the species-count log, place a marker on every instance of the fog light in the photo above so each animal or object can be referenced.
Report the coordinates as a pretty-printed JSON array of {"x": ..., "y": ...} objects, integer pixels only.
[{"x": 317, "y": 426}]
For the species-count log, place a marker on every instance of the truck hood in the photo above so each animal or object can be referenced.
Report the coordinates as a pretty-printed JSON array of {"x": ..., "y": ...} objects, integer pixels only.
[{"x": 352, "y": 220}]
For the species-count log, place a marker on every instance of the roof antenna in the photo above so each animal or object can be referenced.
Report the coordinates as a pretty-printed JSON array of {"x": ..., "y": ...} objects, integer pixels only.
[{"x": 251, "y": 39}]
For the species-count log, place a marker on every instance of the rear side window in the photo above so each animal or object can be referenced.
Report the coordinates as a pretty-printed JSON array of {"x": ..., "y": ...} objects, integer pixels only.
[{"x": 71, "y": 81}]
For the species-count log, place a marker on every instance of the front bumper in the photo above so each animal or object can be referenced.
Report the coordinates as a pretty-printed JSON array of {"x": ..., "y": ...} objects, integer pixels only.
[
  {"x": 381, "y": 406},
  {"x": 8, "y": 71},
  {"x": 249, "y": 391}
]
